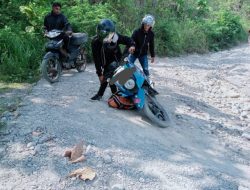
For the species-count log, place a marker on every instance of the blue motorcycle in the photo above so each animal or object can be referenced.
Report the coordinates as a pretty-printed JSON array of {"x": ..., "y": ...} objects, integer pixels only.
[{"x": 133, "y": 84}]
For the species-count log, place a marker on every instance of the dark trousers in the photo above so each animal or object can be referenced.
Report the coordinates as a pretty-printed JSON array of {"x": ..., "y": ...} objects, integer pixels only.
[
  {"x": 103, "y": 88},
  {"x": 108, "y": 73},
  {"x": 66, "y": 42}
]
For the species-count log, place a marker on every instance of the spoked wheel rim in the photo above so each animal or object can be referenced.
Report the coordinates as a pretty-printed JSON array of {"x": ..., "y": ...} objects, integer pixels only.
[
  {"x": 52, "y": 69},
  {"x": 81, "y": 62},
  {"x": 156, "y": 110}
]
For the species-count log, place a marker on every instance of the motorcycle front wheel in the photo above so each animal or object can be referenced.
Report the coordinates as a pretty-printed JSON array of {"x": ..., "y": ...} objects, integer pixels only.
[
  {"x": 155, "y": 112},
  {"x": 51, "y": 69}
]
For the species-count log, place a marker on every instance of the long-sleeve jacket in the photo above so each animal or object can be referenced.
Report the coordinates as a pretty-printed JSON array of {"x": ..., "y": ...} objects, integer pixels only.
[
  {"x": 143, "y": 41},
  {"x": 103, "y": 56},
  {"x": 54, "y": 21}
]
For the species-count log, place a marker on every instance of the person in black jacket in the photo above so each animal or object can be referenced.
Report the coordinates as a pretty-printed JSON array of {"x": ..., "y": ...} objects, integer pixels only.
[
  {"x": 107, "y": 53},
  {"x": 56, "y": 20},
  {"x": 144, "y": 40}
]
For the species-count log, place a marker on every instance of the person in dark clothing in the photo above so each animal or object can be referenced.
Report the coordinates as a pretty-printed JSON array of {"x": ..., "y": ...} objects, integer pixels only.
[
  {"x": 107, "y": 53},
  {"x": 144, "y": 40},
  {"x": 56, "y": 20}
]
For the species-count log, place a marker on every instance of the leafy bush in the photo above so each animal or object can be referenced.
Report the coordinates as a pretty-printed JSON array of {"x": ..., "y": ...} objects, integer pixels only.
[
  {"x": 182, "y": 26},
  {"x": 20, "y": 55},
  {"x": 174, "y": 38},
  {"x": 224, "y": 30}
]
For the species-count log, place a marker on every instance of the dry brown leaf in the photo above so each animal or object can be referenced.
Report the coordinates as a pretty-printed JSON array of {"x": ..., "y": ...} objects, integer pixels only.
[
  {"x": 76, "y": 173},
  {"x": 84, "y": 174}
]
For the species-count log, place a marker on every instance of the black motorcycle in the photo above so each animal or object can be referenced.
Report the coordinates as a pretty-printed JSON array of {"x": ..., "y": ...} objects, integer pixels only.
[{"x": 55, "y": 60}]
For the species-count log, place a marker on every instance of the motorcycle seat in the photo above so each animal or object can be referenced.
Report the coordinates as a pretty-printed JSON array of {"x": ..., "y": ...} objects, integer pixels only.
[{"x": 78, "y": 38}]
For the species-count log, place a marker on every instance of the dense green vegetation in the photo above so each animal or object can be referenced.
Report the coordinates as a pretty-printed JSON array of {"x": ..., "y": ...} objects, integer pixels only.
[{"x": 182, "y": 26}]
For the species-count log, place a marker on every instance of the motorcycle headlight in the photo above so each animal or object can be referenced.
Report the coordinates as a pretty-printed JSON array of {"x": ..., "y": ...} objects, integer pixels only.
[{"x": 130, "y": 84}]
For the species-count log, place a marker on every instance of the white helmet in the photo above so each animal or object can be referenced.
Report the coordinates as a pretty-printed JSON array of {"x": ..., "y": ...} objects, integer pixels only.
[{"x": 149, "y": 20}]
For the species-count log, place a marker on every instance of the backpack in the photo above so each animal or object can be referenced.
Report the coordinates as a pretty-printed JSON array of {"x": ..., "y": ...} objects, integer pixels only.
[{"x": 120, "y": 102}]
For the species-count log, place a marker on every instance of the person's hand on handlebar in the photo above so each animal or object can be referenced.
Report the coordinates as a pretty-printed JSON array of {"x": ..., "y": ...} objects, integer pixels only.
[
  {"x": 131, "y": 49},
  {"x": 45, "y": 32},
  {"x": 69, "y": 33}
]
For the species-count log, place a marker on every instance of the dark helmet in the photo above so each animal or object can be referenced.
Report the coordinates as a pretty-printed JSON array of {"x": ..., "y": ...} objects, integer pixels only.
[{"x": 104, "y": 28}]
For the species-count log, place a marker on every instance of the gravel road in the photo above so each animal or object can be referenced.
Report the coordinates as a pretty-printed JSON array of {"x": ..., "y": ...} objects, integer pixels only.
[{"x": 206, "y": 148}]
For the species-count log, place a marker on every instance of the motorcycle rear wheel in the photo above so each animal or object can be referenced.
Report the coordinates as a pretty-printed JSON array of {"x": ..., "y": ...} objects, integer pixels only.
[
  {"x": 81, "y": 62},
  {"x": 155, "y": 112}
]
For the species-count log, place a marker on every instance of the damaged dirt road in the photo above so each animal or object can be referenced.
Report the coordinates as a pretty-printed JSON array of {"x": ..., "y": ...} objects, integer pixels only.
[{"x": 207, "y": 147}]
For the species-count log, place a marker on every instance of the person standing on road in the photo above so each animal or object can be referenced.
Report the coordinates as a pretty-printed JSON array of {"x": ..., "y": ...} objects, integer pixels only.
[
  {"x": 107, "y": 53},
  {"x": 144, "y": 41}
]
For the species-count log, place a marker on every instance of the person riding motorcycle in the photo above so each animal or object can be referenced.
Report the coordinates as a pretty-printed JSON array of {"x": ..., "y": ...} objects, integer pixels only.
[
  {"x": 144, "y": 40},
  {"x": 106, "y": 53},
  {"x": 56, "y": 20}
]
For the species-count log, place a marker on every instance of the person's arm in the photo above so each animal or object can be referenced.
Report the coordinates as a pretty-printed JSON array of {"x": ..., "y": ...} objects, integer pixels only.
[
  {"x": 152, "y": 48},
  {"x": 125, "y": 40},
  {"x": 134, "y": 36},
  {"x": 45, "y": 24},
  {"x": 97, "y": 57},
  {"x": 66, "y": 24}
]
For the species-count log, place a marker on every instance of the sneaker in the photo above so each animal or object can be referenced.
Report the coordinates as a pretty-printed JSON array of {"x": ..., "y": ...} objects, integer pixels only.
[{"x": 96, "y": 97}]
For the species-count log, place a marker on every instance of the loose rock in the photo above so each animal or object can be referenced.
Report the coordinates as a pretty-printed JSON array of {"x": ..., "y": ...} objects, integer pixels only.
[
  {"x": 118, "y": 187},
  {"x": 107, "y": 159}
]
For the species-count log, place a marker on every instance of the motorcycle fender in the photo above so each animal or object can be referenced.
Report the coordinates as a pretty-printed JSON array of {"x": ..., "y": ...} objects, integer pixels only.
[
  {"x": 50, "y": 54},
  {"x": 141, "y": 97},
  {"x": 139, "y": 79}
]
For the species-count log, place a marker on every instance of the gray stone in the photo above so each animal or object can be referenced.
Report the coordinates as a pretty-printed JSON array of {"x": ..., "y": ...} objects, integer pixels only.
[
  {"x": 33, "y": 152},
  {"x": 73, "y": 178},
  {"x": 235, "y": 109},
  {"x": 45, "y": 139},
  {"x": 38, "y": 148},
  {"x": 244, "y": 114},
  {"x": 16, "y": 114},
  {"x": 29, "y": 164},
  {"x": 107, "y": 159},
  {"x": 118, "y": 187},
  {"x": 4, "y": 119},
  {"x": 246, "y": 108},
  {"x": 2, "y": 151},
  {"x": 7, "y": 114},
  {"x": 243, "y": 188},
  {"x": 233, "y": 95},
  {"x": 30, "y": 145},
  {"x": 89, "y": 151},
  {"x": 141, "y": 180},
  {"x": 246, "y": 135}
]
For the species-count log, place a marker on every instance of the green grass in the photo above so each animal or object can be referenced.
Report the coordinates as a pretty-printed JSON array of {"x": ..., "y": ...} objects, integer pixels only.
[
  {"x": 6, "y": 87},
  {"x": 20, "y": 56}
]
